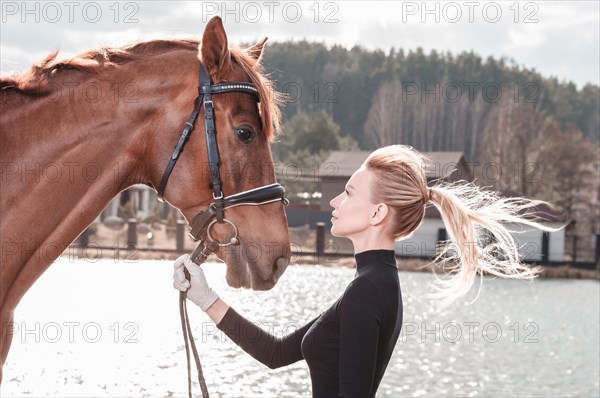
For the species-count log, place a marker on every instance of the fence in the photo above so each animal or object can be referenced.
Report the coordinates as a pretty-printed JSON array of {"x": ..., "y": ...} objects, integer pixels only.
[{"x": 324, "y": 245}]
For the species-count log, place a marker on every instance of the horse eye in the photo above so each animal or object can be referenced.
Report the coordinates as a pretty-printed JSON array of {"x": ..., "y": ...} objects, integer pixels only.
[{"x": 244, "y": 134}]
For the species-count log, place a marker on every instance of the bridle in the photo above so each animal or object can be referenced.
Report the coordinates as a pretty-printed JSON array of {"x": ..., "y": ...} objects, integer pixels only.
[{"x": 203, "y": 221}]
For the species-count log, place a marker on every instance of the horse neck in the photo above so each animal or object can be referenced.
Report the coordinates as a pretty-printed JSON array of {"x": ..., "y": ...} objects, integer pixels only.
[
  {"x": 92, "y": 137},
  {"x": 63, "y": 159},
  {"x": 65, "y": 156},
  {"x": 103, "y": 125},
  {"x": 68, "y": 145}
]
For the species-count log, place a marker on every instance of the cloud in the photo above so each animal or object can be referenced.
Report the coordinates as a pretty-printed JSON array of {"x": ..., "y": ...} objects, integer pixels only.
[{"x": 564, "y": 42}]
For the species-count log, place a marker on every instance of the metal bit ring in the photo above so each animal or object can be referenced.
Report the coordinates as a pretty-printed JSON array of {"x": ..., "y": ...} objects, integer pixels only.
[{"x": 233, "y": 241}]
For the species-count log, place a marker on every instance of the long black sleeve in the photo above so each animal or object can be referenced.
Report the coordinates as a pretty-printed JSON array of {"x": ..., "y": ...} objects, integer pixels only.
[
  {"x": 270, "y": 350},
  {"x": 348, "y": 346}
]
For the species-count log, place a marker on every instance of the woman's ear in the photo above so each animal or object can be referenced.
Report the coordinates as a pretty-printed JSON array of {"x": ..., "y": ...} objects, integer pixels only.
[{"x": 380, "y": 211}]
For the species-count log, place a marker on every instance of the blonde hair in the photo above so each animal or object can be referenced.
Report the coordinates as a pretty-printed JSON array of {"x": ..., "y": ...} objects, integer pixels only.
[{"x": 474, "y": 218}]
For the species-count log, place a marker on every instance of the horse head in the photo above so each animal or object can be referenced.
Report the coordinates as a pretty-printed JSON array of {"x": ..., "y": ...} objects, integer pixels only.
[{"x": 244, "y": 127}]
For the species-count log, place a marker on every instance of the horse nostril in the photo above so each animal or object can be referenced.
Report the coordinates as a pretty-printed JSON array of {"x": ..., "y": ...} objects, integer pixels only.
[{"x": 280, "y": 264}]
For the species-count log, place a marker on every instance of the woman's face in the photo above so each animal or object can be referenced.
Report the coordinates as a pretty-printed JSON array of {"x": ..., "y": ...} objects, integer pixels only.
[{"x": 352, "y": 209}]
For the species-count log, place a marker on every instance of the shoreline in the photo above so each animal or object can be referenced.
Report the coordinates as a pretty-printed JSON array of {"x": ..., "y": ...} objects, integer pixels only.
[{"x": 404, "y": 264}]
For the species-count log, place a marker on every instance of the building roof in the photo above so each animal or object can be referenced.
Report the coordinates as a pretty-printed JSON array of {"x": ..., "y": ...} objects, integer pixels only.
[
  {"x": 342, "y": 164},
  {"x": 441, "y": 164}
]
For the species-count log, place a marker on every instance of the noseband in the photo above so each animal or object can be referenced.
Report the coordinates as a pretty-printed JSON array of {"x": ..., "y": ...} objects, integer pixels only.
[{"x": 202, "y": 222}]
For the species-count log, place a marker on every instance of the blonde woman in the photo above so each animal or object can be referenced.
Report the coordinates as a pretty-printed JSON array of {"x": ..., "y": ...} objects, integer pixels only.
[{"x": 348, "y": 346}]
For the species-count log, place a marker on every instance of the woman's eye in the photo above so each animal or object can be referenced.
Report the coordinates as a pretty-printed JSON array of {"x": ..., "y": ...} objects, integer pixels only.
[{"x": 244, "y": 134}]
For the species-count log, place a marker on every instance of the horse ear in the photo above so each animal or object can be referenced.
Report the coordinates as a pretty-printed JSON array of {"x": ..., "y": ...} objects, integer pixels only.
[
  {"x": 256, "y": 50},
  {"x": 215, "y": 50}
]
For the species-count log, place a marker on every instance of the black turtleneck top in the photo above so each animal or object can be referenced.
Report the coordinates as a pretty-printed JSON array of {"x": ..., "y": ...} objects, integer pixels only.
[{"x": 348, "y": 346}]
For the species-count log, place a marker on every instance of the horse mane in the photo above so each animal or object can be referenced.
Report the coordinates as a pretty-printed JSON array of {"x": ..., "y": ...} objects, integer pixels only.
[
  {"x": 91, "y": 62},
  {"x": 36, "y": 81}
]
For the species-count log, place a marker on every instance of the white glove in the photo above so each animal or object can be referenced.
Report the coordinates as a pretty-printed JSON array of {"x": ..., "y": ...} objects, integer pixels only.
[{"x": 199, "y": 293}]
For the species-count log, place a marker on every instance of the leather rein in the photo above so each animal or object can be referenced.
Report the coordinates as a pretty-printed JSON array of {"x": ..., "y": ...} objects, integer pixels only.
[{"x": 203, "y": 221}]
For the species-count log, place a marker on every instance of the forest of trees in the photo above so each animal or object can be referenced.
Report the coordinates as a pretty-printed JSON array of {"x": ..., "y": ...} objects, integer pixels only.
[
  {"x": 346, "y": 83},
  {"x": 541, "y": 134}
]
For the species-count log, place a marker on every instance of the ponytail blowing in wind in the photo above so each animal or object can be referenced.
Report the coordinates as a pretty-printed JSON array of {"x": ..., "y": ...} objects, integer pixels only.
[{"x": 477, "y": 221}]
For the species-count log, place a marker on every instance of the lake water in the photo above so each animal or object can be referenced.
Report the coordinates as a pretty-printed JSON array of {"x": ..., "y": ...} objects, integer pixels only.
[{"x": 104, "y": 328}]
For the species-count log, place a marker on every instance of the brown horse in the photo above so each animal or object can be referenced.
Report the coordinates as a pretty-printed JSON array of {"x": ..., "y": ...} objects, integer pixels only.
[{"x": 77, "y": 132}]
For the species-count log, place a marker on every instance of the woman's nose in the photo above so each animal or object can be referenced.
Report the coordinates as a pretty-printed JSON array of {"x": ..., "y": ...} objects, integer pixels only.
[{"x": 332, "y": 202}]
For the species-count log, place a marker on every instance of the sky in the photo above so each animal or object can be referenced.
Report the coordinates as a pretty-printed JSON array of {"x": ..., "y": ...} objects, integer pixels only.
[{"x": 555, "y": 38}]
